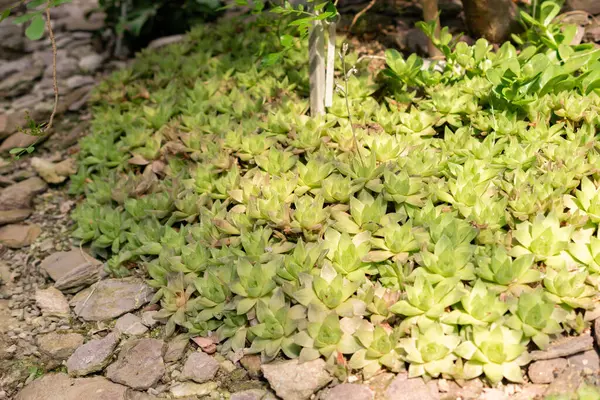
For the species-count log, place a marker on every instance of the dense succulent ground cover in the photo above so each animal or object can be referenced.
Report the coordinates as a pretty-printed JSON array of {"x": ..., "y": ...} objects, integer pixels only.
[{"x": 452, "y": 227}]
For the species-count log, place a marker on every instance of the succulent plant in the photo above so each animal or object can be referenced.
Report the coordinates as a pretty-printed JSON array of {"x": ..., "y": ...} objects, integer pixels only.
[
  {"x": 326, "y": 335},
  {"x": 381, "y": 349},
  {"x": 440, "y": 223},
  {"x": 430, "y": 350},
  {"x": 544, "y": 238},
  {"x": 479, "y": 307},
  {"x": 569, "y": 287},
  {"x": 496, "y": 351},
  {"x": 495, "y": 266},
  {"x": 536, "y": 317},
  {"x": 277, "y": 324},
  {"x": 424, "y": 300}
]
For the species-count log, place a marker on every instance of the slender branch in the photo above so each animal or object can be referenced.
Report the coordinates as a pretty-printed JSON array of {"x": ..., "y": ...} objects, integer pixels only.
[
  {"x": 346, "y": 73},
  {"x": 329, "y": 72},
  {"x": 54, "y": 78},
  {"x": 360, "y": 14},
  {"x": 369, "y": 57}
]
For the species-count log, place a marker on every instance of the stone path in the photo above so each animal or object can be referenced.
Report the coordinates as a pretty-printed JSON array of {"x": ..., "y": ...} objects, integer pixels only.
[{"x": 68, "y": 331}]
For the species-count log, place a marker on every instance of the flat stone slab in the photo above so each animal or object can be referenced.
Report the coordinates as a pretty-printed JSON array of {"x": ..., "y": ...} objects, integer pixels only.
[
  {"x": 587, "y": 360},
  {"x": 199, "y": 367},
  {"x": 545, "y": 371},
  {"x": 17, "y": 236},
  {"x": 140, "y": 364},
  {"x": 111, "y": 298},
  {"x": 20, "y": 195},
  {"x": 62, "y": 387},
  {"x": 565, "y": 347},
  {"x": 51, "y": 301},
  {"x": 92, "y": 356},
  {"x": 404, "y": 388},
  {"x": 566, "y": 383},
  {"x": 72, "y": 270},
  {"x": 191, "y": 390},
  {"x": 293, "y": 380},
  {"x": 348, "y": 391},
  {"x": 130, "y": 324},
  {"x": 59, "y": 346}
]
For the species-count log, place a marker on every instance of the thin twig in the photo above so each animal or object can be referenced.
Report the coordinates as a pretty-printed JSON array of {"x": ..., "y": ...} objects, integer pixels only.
[
  {"x": 344, "y": 49},
  {"x": 370, "y": 57},
  {"x": 360, "y": 13},
  {"x": 54, "y": 78}
]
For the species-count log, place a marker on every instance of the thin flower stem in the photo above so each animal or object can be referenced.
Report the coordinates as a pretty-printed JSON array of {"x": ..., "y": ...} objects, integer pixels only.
[
  {"x": 343, "y": 56},
  {"x": 54, "y": 77}
]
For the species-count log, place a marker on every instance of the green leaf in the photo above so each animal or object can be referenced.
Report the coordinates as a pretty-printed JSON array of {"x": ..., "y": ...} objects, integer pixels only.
[
  {"x": 35, "y": 30},
  {"x": 286, "y": 40},
  {"x": 16, "y": 150},
  {"x": 26, "y": 17},
  {"x": 4, "y": 14},
  {"x": 35, "y": 3}
]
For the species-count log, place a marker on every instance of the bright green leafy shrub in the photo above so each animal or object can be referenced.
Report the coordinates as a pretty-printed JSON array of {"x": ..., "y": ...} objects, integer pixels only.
[{"x": 463, "y": 226}]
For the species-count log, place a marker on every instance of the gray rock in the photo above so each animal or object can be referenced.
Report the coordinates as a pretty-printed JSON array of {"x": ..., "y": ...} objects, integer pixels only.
[
  {"x": 28, "y": 101},
  {"x": 111, "y": 298},
  {"x": 52, "y": 302},
  {"x": 62, "y": 387},
  {"x": 10, "y": 121},
  {"x": 91, "y": 62},
  {"x": 565, "y": 347},
  {"x": 164, "y": 41},
  {"x": 348, "y": 391},
  {"x": 17, "y": 236},
  {"x": 530, "y": 391},
  {"x": 188, "y": 389},
  {"x": 403, "y": 388},
  {"x": 130, "y": 324},
  {"x": 78, "y": 81},
  {"x": 7, "y": 68},
  {"x": 13, "y": 216},
  {"x": 585, "y": 361},
  {"x": 19, "y": 196},
  {"x": 78, "y": 21},
  {"x": 379, "y": 384},
  {"x": 135, "y": 395},
  {"x": 293, "y": 380},
  {"x": 468, "y": 390},
  {"x": 59, "y": 346},
  {"x": 21, "y": 82},
  {"x": 148, "y": 318},
  {"x": 12, "y": 39},
  {"x": 545, "y": 371},
  {"x": 20, "y": 139},
  {"x": 199, "y": 367},
  {"x": 92, "y": 356},
  {"x": 140, "y": 364},
  {"x": 65, "y": 67},
  {"x": 176, "y": 348},
  {"x": 251, "y": 363},
  {"x": 590, "y": 6},
  {"x": 72, "y": 270},
  {"x": 250, "y": 394},
  {"x": 567, "y": 382},
  {"x": 493, "y": 394},
  {"x": 53, "y": 172},
  {"x": 597, "y": 331}
]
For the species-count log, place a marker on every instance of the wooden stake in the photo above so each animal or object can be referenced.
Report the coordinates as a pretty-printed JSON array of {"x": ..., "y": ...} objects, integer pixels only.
[
  {"x": 316, "y": 56},
  {"x": 430, "y": 13},
  {"x": 329, "y": 83}
]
